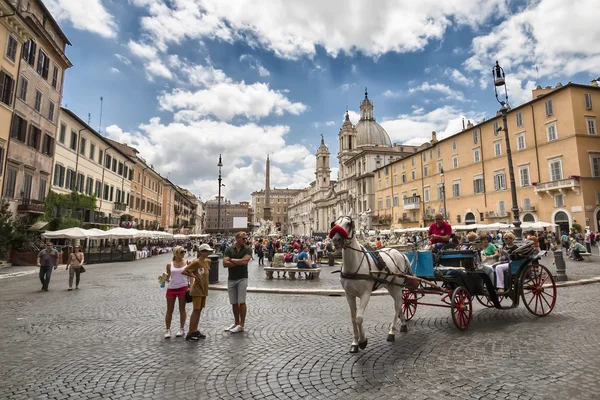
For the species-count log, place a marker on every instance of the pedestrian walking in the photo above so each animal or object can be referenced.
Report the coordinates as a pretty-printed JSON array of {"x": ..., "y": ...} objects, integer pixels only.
[
  {"x": 74, "y": 265},
  {"x": 47, "y": 260},
  {"x": 236, "y": 260},
  {"x": 198, "y": 272},
  {"x": 178, "y": 285}
]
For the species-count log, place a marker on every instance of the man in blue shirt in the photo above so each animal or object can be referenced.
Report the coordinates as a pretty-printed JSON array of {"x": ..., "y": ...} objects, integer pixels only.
[{"x": 303, "y": 259}]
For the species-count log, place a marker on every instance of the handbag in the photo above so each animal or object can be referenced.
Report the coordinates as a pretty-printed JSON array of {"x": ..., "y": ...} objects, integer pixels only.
[
  {"x": 188, "y": 296},
  {"x": 81, "y": 269}
]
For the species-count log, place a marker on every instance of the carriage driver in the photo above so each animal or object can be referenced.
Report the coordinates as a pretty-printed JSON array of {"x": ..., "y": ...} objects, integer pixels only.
[{"x": 439, "y": 232}]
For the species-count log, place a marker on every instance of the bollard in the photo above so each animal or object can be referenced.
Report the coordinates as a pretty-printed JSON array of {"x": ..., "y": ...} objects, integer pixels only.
[
  {"x": 559, "y": 262},
  {"x": 213, "y": 275},
  {"x": 331, "y": 259}
]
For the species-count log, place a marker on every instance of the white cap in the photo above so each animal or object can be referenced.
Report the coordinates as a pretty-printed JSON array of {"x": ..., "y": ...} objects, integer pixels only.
[{"x": 205, "y": 247}]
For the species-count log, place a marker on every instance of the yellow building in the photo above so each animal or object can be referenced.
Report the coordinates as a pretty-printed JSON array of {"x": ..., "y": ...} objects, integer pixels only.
[
  {"x": 556, "y": 157},
  {"x": 37, "y": 97},
  {"x": 178, "y": 209},
  {"x": 13, "y": 33}
]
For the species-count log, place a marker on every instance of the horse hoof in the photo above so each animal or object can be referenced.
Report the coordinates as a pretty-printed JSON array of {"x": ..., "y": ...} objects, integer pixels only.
[
  {"x": 362, "y": 345},
  {"x": 354, "y": 349},
  {"x": 391, "y": 338},
  {"x": 404, "y": 328}
]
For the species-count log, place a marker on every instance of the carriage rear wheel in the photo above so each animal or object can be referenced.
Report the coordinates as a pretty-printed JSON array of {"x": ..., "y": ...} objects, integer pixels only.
[
  {"x": 461, "y": 308},
  {"x": 486, "y": 301},
  {"x": 538, "y": 290},
  {"x": 409, "y": 304}
]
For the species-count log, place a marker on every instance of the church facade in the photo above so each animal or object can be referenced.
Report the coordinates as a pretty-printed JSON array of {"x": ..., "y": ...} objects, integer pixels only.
[{"x": 363, "y": 148}]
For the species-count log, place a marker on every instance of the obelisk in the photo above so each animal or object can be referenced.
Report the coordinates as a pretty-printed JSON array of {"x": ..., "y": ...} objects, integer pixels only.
[{"x": 267, "y": 208}]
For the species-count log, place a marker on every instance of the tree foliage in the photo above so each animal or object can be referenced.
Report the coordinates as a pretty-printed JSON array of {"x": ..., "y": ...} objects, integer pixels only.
[
  {"x": 13, "y": 232},
  {"x": 61, "y": 209}
]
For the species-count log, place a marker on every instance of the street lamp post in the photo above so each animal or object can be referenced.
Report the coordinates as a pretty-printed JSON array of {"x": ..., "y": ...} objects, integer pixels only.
[
  {"x": 220, "y": 164},
  {"x": 227, "y": 227},
  {"x": 499, "y": 83},
  {"x": 444, "y": 193}
]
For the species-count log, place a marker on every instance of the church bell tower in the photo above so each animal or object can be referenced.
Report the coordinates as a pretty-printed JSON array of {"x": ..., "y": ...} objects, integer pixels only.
[{"x": 323, "y": 171}]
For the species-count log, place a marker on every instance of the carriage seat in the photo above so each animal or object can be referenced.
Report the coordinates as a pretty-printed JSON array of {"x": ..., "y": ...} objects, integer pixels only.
[{"x": 292, "y": 271}]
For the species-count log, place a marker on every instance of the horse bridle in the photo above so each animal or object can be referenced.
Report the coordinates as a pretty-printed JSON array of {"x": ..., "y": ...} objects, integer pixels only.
[{"x": 350, "y": 232}]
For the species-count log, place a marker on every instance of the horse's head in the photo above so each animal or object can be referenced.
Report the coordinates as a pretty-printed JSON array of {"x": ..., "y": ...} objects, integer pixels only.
[{"x": 342, "y": 230}]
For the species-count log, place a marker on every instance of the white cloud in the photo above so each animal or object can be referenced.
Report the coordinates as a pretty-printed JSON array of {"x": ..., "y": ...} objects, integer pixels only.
[
  {"x": 84, "y": 15},
  {"x": 354, "y": 116},
  {"x": 188, "y": 154},
  {"x": 157, "y": 68},
  {"x": 457, "y": 76},
  {"x": 391, "y": 94},
  {"x": 416, "y": 128},
  {"x": 255, "y": 64},
  {"x": 346, "y": 86},
  {"x": 142, "y": 50},
  {"x": 554, "y": 35},
  {"x": 228, "y": 100},
  {"x": 292, "y": 30},
  {"x": 439, "y": 87},
  {"x": 114, "y": 70},
  {"x": 123, "y": 59},
  {"x": 317, "y": 125}
]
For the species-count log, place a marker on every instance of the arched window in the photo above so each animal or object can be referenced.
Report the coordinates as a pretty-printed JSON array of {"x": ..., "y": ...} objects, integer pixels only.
[
  {"x": 528, "y": 218},
  {"x": 470, "y": 218}
]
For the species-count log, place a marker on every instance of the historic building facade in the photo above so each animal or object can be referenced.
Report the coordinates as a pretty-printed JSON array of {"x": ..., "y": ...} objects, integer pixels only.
[
  {"x": 88, "y": 163},
  {"x": 280, "y": 200},
  {"x": 363, "y": 148},
  {"x": 178, "y": 209},
  {"x": 556, "y": 157},
  {"x": 36, "y": 92},
  {"x": 228, "y": 212}
]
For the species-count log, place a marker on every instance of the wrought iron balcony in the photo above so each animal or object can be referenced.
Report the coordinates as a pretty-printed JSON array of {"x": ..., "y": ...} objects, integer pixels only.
[
  {"x": 120, "y": 207},
  {"x": 412, "y": 203},
  {"x": 560, "y": 185},
  {"x": 30, "y": 206}
]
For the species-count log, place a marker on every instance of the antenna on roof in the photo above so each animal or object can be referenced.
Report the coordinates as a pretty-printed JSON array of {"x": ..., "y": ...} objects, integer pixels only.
[
  {"x": 100, "y": 123},
  {"x": 537, "y": 76},
  {"x": 89, "y": 118}
]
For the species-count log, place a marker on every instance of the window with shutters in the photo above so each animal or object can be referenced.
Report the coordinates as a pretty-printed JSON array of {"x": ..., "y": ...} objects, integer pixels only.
[
  {"x": 89, "y": 186},
  {"x": 38, "y": 101},
  {"x": 499, "y": 181},
  {"x": 502, "y": 208},
  {"x": 588, "y": 101},
  {"x": 43, "y": 64},
  {"x": 82, "y": 146},
  {"x": 29, "y": 50},
  {"x": 55, "y": 76},
  {"x": 440, "y": 191},
  {"x": 549, "y": 108},
  {"x": 456, "y": 189},
  {"x": 114, "y": 165},
  {"x": 112, "y": 193},
  {"x": 70, "y": 179},
  {"x": 42, "y": 191},
  {"x": 100, "y": 156},
  {"x": 453, "y": 144},
  {"x": 555, "y": 169},
  {"x": 48, "y": 145},
  {"x": 475, "y": 137},
  {"x": 51, "y": 108},
  {"x": 413, "y": 175},
  {"x": 476, "y": 155},
  {"x": 439, "y": 151},
  {"x": 27, "y": 183},
  {"x": 426, "y": 194},
  {"x": 498, "y": 148},
  {"x": 519, "y": 119},
  {"x": 11, "y": 181},
  {"x": 496, "y": 126},
  {"x": 478, "y": 185},
  {"x": 403, "y": 178},
  {"x": 7, "y": 87},
  {"x": 11, "y": 48},
  {"x": 595, "y": 163},
  {"x": 1, "y": 159},
  {"x": 521, "y": 144},
  {"x": 551, "y": 132},
  {"x": 92, "y": 151},
  {"x": 591, "y": 126},
  {"x": 73, "y": 145},
  {"x": 455, "y": 162},
  {"x": 524, "y": 176},
  {"x": 106, "y": 191},
  {"x": 35, "y": 137},
  {"x": 80, "y": 182},
  {"x": 439, "y": 167},
  {"x": 425, "y": 171},
  {"x": 23, "y": 89},
  {"x": 19, "y": 129},
  {"x": 396, "y": 201},
  {"x": 62, "y": 133},
  {"x": 559, "y": 200},
  {"x": 59, "y": 175},
  {"x": 387, "y": 202},
  {"x": 98, "y": 191}
]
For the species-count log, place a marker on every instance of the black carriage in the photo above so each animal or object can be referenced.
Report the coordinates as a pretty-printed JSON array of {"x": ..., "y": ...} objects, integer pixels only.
[{"x": 455, "y": 276}]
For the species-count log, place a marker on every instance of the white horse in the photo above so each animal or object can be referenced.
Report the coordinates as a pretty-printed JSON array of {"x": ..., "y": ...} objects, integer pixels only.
[{"x": 360, "y": 273}]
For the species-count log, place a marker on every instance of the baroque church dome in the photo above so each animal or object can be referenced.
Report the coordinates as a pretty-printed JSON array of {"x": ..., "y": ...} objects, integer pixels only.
[{"x": 368, "y": 131}]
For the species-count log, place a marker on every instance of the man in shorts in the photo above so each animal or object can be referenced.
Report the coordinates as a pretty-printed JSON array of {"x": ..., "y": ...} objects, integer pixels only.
[
  {"x": 319, "y": 252},
  {"x": 236, "y": 260}
]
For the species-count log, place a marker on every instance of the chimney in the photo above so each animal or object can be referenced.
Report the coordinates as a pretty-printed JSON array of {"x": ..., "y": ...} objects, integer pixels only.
[
  {"x": 469, "y": 124},
  {"x": 433, "y": 137},
  {"x": 463, "y": 122}
]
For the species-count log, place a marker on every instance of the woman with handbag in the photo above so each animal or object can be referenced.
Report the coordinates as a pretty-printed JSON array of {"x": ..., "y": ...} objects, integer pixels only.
[
  {"x": 76, "y": 259},
  {"x": 178, "y": 285},
  {"x": 198, "y": 272}
]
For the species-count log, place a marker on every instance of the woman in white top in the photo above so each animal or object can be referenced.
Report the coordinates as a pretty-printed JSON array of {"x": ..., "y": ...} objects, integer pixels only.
[{"x": 178, "y": 285}]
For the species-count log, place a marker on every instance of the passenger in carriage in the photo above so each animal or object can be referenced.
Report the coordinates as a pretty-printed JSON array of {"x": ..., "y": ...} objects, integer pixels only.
[{"x": 505, "y": 253}]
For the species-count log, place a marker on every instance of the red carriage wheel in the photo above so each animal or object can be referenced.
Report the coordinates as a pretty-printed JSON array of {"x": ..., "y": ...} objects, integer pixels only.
[
  {"x": 538, "y": 290},
  {"x": 486, "y": 301},
  {"x": 461, "y": 308},
  {"x": 409, "y": 304}
]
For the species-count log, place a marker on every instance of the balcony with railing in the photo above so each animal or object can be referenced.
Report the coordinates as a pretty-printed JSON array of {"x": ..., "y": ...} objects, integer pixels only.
[
  {"x": 119, "y": 207},
  {"x": 496, "y": 214},
  {"x": 560, "y": 185},
  {"x": 412, "y": 203},
  {"x": 30, "y": 206}
]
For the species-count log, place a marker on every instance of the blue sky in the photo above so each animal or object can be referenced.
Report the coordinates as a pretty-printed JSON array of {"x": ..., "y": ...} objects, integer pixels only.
[{"x": 185, "y": 80}]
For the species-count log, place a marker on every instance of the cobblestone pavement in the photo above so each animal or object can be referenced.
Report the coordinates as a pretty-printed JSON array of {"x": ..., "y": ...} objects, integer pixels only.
[{"x": 105, "y": 341}]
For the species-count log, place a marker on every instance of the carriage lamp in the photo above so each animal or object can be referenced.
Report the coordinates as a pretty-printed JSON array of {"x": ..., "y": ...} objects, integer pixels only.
[{"x": 502, "y": 98}]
